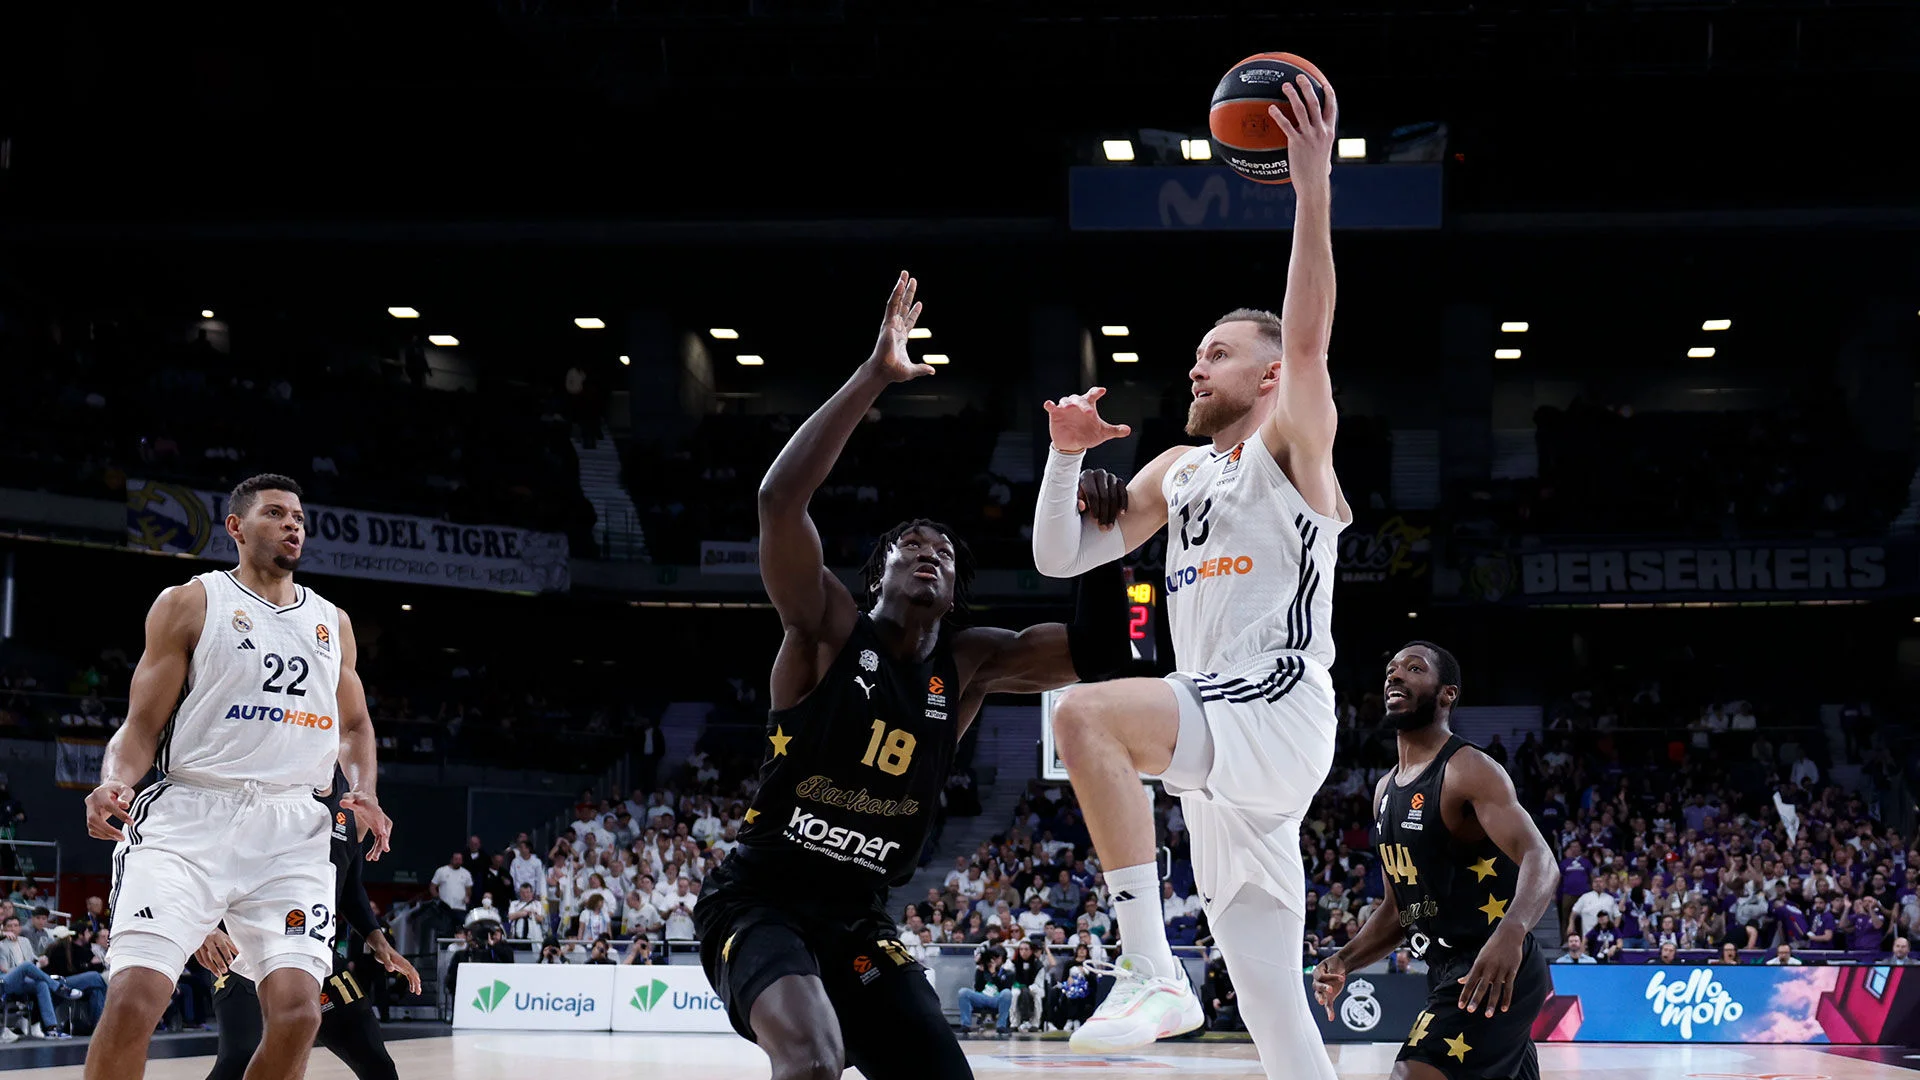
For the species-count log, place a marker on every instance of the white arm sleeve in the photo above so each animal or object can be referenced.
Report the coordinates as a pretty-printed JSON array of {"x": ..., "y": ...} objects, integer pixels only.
[{"x": 1066, "y": 544}]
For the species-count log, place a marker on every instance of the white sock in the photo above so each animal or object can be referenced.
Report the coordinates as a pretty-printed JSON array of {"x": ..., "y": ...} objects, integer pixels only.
[{"x": 1135, "y": 891}]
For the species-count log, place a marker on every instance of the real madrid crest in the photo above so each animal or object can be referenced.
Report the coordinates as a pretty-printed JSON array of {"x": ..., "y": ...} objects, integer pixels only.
[
  {"x": 1361, "y": 1010},
  {"x": 241, "y": 623},
  {"x": 1185, "y": 474}
]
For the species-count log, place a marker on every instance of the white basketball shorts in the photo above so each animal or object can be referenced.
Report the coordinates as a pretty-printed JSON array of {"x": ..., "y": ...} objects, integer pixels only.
[
  {"x": 194, "y": 857},
  {"x": 1254, "y": 747}
]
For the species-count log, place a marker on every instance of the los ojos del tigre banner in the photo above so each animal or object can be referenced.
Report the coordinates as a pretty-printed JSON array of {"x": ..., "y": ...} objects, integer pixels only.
[{"x": 356, "y": 543}]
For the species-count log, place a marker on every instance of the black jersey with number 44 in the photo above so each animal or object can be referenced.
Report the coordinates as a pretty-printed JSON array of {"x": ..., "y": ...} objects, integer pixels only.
[
  {"x": 854, "y": 771},
  {"x": 1452, "y": 894}
]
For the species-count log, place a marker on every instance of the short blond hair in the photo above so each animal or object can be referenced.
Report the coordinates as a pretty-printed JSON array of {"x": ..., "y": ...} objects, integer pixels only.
[{"x": 1267, "y": 323}]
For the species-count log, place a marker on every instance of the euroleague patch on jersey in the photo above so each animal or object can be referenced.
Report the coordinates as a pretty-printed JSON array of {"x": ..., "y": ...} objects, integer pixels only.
[
  {"x": 936, "y": 691},
  {"x": 340, "y": 825},
  {"x": 241, "y": 623},
  {"x": 1232, "y": 466},
  {"x": 863, "y": 967},
  {"x": 296, "y": 923},
  {"x": 322, "y": 638}
]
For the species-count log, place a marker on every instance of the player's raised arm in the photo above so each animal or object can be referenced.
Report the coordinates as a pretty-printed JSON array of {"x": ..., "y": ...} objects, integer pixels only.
[
  {"x": 1490, "y": 795},
  {"x": 1302, "y": 426},
  {"x": 359, "y": 750},
  {"x": 173, "y": 629},
  {"x": 802, "y": 589},
  {"x": 1049, "y": 656},
  {"x": 1067, "y": 541}
]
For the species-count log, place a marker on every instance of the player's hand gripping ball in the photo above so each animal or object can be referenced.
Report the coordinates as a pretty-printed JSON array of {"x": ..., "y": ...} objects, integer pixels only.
[{"x": 1248, "y": 139}]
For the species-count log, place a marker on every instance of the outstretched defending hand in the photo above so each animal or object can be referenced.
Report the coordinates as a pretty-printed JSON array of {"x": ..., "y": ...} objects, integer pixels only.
[
  {"x": 1074, "y": 423},
  {"x": 890, "y": 352}
]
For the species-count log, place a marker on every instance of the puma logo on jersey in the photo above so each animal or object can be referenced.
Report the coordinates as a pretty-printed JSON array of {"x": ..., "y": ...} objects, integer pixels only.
[
  {"x": 863, "y": 685},
  {"x": 247, "y": 644}
]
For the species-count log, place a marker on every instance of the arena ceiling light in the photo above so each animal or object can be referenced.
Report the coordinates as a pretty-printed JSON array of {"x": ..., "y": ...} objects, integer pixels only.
[
  {"x": 1513, "y": 328},
  {"x": 1117, "y": 149},
  {"x": 721, "y": 333},
  {"x": 935, "y": 358},
  {"x": 919, "y": 333},
  {"x": 403, "y": 313},
  {"x": 1115, "y": 331},
  {"x": 445, "y": 340},
  {"x": 1717, "y": 324},
  {"x": 1196, "y": 149},
  {"x": 749, "y": 360},
  {"x": 206, "y": 313},
  {"x": 406, "y": 607},
  {"x": 625, "y": 360},
  {"x": 1700, "y": 352},
  {"x": 1352, "y": 148},
  {"x": 1506, "y": 354},
  {"x": 589, "y": 323},
  {"x": 1126, "y": 358}
]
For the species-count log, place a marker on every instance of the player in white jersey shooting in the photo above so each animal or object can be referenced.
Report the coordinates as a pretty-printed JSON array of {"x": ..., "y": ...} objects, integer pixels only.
[
  {"x": 231, "y": 830},
  {"x": 1245, "y": 731}
]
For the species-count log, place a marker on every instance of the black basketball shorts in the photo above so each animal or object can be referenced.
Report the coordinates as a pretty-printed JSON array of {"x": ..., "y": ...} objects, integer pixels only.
[{"x": 1474, "y": 1046}]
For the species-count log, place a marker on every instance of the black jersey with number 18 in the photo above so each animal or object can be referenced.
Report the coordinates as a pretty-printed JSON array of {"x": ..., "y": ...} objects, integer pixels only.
[
  {"x": 854, "y": 771},
  {"x": 1452, "y": 894}
]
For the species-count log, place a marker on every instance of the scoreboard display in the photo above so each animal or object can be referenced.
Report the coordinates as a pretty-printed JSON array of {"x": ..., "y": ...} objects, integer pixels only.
[{"x": 1141, "y": 597}]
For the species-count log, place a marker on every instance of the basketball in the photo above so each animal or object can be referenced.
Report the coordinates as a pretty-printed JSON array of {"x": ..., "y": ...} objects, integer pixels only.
[{"x": 1248, "y": 139}]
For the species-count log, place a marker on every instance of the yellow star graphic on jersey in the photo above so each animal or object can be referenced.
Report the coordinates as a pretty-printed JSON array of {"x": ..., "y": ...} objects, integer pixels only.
[
  {"x": 221, "y": 982},
  {"x": 1457, "y": 1047},
  {"x": 726, "y": 950},
  {"x": 751, "y": 815},
  {"x": 1483, "y": 869},
  {"x": 779, "y": 739},
  {"x": 1495, "y": 909}
]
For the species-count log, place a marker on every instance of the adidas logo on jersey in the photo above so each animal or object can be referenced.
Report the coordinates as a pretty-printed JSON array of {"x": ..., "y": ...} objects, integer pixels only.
[
  {"x": 248, "y": 644},
  {"x": 1122, "y": 895},
  {"x": 144, "y": 913}
]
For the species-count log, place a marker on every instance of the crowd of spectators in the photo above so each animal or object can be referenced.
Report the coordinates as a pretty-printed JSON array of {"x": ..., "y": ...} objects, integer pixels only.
[
  {"x": 1801, "y": 467},
  {"x": 91, "y": 402},
  {"x": 707, "y": 488},
  {"x": 55, "y": 970}
]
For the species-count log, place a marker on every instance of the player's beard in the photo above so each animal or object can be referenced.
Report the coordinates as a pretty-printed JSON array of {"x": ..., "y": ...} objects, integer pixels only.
[
  {"x": 289, "y": 563},
  {"x": 1207, "y": 416},
  {"x": 1420, "y": 716}
]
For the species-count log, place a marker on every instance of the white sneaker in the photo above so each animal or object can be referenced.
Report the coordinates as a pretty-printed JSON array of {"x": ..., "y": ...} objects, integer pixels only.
[{"x": 1139, "y": 1009}]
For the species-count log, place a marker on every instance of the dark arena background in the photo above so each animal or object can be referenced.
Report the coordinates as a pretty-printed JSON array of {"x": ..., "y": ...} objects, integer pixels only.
[{"x": 528, "y": 295}]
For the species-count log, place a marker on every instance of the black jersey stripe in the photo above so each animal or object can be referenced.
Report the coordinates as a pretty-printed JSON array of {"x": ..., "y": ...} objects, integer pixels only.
[{"x": 271, "y": 606}]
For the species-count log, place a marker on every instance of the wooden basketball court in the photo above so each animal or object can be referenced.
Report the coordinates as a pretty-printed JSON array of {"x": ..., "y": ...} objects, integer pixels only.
[{"x": 517, "y": 1055}]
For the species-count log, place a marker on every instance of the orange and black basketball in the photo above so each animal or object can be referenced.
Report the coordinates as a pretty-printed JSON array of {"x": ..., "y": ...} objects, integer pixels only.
[{"x": 1247, "y": 138}]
